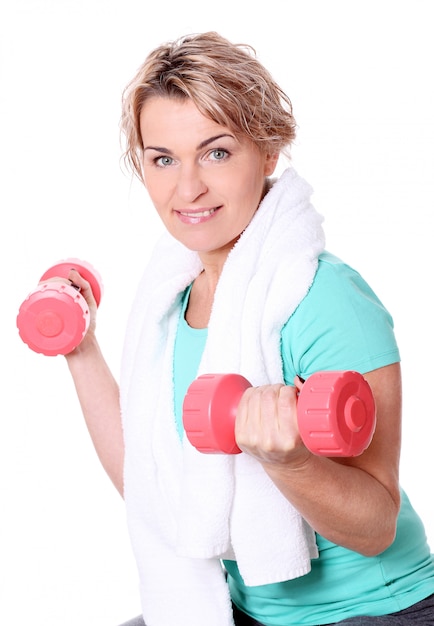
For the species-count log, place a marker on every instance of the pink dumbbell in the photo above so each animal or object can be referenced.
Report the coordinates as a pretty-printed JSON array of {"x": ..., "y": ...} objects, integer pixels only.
[
  {"x": 335, "y": 410},
  {"x": 54, "y": 318}
]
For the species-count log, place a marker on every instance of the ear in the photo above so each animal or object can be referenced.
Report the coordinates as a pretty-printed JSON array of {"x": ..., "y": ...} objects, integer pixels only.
[{"x": 270, "y": 163}]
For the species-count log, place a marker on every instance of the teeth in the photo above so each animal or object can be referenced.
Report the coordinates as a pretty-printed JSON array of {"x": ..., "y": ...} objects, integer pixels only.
[{"x": 199, "y": 214}]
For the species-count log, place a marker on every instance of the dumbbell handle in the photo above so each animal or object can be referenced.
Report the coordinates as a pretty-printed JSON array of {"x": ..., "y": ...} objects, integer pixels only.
[{"x": 335, "y": 413}]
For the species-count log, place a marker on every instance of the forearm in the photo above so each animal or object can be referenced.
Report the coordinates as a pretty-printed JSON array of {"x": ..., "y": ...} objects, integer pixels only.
[
  {"x": 344, "y": 504},
  {"x": 98, "y": 393},
  {"x": 353, "y": 502}
]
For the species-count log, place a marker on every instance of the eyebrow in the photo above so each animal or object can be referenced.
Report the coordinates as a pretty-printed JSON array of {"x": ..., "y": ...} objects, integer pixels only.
[{"x": 202, "y": 144}]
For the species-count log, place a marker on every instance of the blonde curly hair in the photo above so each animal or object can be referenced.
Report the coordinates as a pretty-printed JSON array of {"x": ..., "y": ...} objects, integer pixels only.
[{"x": 225, "y": 81}]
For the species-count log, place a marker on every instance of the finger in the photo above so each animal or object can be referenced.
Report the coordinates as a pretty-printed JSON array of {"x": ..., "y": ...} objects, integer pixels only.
[
  {"x": 257, "y": 423},
  {"x": 298, "y": 382},
  {"x": 287, "y": 411},
  {"x": 82, "y": 285}
]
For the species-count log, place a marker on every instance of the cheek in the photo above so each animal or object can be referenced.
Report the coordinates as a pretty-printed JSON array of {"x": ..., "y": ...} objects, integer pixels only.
[{"x": 250, "y": 194}]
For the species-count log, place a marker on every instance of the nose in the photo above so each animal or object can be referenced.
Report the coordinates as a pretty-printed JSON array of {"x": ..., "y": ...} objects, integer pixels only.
[{"x": 191, "y": 184}]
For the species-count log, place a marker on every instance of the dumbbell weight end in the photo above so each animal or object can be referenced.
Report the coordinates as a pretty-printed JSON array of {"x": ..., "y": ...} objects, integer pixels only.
[
  {"x": 209, "y": 412},
  {"x": 336, "y": 413}
]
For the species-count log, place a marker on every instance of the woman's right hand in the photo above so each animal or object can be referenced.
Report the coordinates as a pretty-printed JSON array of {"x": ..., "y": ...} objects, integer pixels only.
[
  {"x": 85, "y": 289},
  {"x": 83, "y": 286}
]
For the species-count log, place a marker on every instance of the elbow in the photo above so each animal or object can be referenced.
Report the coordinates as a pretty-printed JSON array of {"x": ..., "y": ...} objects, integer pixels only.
[
  {"x": 383, "y": 533},
  {"x": 384, "y": 526},
  {"x": 378, "y": 544}
]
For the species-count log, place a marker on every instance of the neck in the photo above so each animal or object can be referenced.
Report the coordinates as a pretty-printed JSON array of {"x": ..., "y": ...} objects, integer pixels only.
[{"x": 201, "y": 299}]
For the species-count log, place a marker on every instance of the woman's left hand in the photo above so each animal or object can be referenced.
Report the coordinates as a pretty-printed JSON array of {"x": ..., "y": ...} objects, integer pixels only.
[{"x": 266, "y": 425}]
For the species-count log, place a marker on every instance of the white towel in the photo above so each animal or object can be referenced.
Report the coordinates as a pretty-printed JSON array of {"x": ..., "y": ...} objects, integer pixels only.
[{"x": 187, "y": 510}]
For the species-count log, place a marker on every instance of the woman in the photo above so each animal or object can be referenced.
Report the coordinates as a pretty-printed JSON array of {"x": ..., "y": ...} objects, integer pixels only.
[{"x": 241, "y": 283}]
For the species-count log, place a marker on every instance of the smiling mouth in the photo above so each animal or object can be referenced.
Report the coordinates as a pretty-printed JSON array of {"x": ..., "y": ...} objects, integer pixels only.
[{"x": 197, "y": 214}]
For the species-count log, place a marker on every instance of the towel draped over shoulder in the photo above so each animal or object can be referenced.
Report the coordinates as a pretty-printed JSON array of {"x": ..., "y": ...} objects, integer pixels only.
[{"x": 187, "y": 510}]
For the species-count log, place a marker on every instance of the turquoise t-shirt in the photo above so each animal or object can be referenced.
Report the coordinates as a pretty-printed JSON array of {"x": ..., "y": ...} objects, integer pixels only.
[{"x": 339, "y": 325}]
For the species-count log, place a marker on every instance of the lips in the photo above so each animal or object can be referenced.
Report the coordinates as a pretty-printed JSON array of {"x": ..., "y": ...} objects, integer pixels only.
[{"x": 197, "y": 217}]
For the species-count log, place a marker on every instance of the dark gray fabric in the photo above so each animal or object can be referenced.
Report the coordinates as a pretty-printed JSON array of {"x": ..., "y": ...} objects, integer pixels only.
[
  {"x": 137, "y": 621},
  {"x": 420, "y": 614}
]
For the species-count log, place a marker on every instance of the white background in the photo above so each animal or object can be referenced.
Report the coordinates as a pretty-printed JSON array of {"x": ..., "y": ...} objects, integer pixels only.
[{"x": 361, "y": 80}]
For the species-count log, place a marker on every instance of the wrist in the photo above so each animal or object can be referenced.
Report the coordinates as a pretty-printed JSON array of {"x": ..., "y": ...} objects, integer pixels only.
[
  {"x": 301, "y": 462},
  {"x": 88, "y": 346}
]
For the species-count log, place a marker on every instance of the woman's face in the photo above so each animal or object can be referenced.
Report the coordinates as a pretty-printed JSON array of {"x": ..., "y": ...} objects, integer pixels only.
[{"x": 205, "y": 183}]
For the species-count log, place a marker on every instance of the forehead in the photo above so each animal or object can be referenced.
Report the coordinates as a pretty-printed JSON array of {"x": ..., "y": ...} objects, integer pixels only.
[{"x": 171, "y": 117}]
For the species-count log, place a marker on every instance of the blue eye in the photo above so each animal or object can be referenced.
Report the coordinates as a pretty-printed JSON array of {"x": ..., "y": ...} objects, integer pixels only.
[
  {"x": 164, "y": 161},
  {"x": 219, "y": 154}
]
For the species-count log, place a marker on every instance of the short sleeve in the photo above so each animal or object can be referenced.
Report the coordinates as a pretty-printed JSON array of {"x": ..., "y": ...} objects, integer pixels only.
[{"x": 340, "y": 325}]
